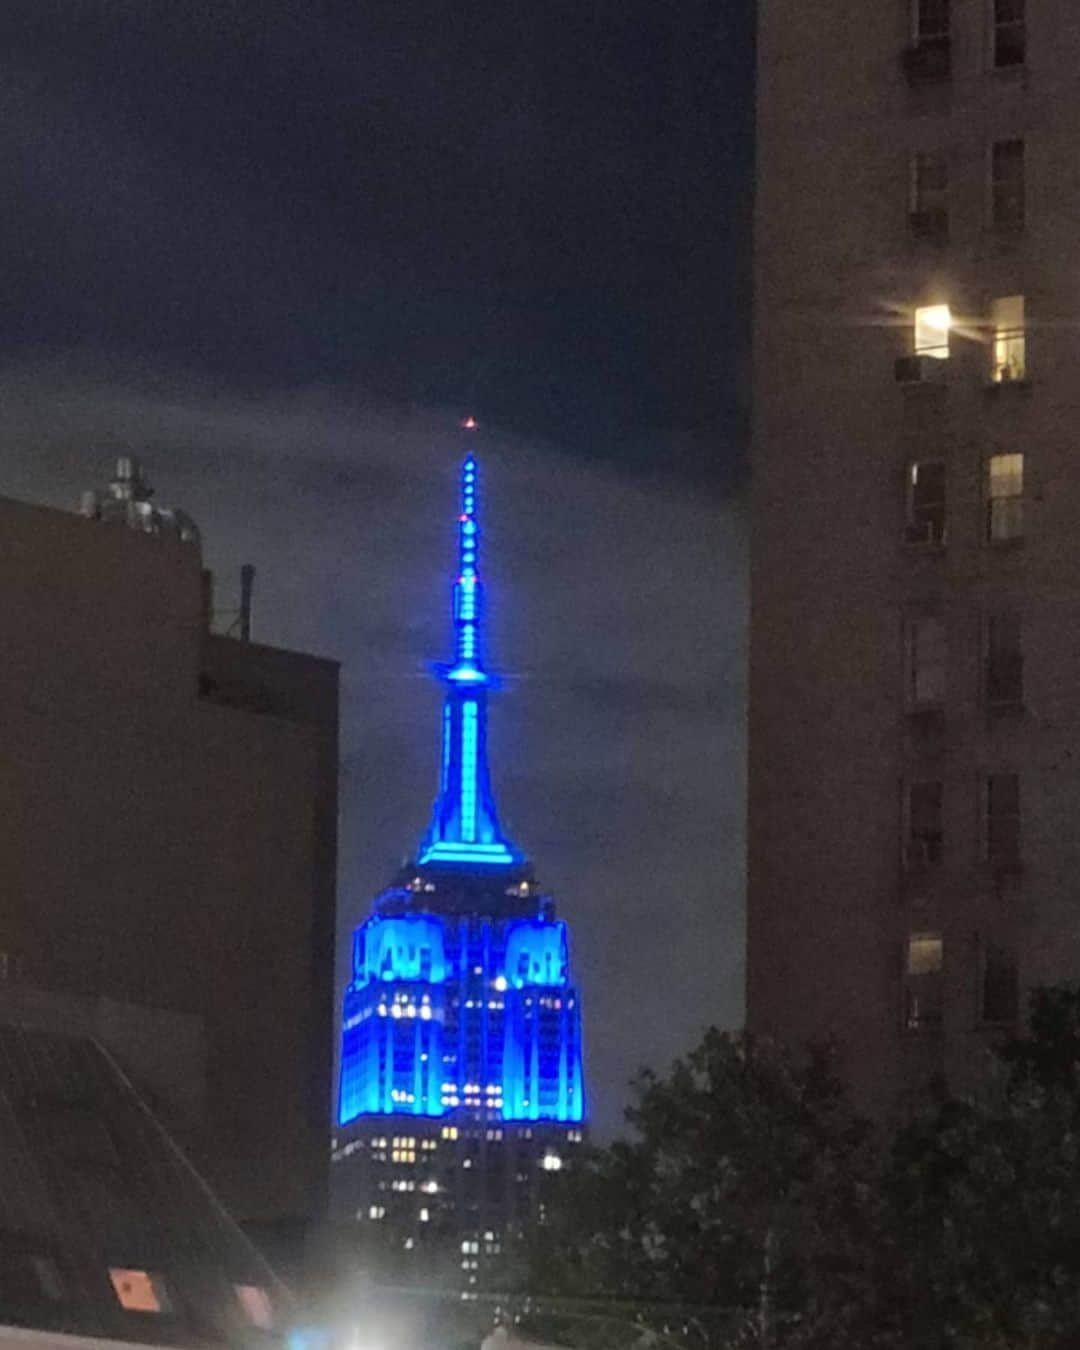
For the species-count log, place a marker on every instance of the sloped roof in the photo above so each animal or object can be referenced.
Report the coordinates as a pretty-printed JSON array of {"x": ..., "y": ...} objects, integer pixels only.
[{"x": 91, "y": 1187}]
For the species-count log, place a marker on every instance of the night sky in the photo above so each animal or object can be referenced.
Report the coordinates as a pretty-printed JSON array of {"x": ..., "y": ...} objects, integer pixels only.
[{"x": 279, "y": 249}]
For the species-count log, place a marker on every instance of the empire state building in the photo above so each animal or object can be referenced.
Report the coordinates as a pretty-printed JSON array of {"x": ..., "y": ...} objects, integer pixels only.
[{"x": 461, "y": 1058}]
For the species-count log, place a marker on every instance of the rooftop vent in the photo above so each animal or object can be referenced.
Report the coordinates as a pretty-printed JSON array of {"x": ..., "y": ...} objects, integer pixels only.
[{"x": 127, "y": 501}]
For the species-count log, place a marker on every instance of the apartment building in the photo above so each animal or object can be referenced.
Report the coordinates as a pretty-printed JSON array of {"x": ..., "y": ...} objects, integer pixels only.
[{"x": 915, "y": 626}]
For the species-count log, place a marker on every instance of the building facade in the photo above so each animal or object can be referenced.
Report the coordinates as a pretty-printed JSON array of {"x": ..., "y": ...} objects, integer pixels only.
[
  {"x": 168, "y": 839},
  {"x": 915, "y": 622},
  {"x": 461, "y": 1062}
]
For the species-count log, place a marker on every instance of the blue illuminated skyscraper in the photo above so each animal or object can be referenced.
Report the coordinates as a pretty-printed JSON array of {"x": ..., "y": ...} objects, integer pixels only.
[{"x": 461, "y": 1062}]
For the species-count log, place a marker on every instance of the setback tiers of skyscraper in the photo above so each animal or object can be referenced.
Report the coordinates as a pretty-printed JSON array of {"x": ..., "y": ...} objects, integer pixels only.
[{"x": 461, "y": 1065}]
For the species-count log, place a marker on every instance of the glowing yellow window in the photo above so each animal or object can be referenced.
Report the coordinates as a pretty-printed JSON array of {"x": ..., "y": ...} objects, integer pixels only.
[
  {"x": 932, "y": 325},
  {"x": 926, "y": 954},
  {"x": 1009, "y": 354}
]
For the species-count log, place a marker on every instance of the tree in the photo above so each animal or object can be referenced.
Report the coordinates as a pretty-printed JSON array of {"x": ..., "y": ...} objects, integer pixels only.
[{"x": 740, "y": 1163}]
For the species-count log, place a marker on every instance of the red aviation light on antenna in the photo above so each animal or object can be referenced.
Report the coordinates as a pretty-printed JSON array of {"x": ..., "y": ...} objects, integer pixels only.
[{"x": 469, "y": 424}]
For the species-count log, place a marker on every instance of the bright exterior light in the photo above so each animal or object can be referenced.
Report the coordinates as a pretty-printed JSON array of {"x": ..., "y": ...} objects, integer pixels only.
[{"x": 932, "y": 326}]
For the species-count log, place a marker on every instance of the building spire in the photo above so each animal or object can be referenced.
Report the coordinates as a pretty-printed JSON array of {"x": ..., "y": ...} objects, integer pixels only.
[{"x": 465, "y": 826}]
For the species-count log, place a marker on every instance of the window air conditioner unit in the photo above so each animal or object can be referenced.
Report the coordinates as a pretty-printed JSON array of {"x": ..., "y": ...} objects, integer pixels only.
[{"x": 921, "y": 369}]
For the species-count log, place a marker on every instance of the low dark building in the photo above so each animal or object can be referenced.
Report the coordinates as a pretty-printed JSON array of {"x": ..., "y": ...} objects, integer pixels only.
[
  {"x": 168, "y": 815},
  {"x": 105, "y": 1229}
]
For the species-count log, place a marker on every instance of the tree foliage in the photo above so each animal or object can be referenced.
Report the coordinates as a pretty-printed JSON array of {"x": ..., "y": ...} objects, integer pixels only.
[
  {"x": 748, "y": 1184},
  {"x": 740, "y": 1161}
]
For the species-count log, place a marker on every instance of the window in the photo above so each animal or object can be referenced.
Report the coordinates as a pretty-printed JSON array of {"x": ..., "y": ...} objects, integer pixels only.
[
  {"x": 927, "y": 59},
  {"x": 928, "y": 207},
  {"x": 924, "y": 844},
  {"x": 28, "y": 1279},
  {"x": 926, "y": 503},
  {"x": 1005, "y": 498},
  {"x": 139, "y": 1290},
  {"x": 999, "y": 986},
  {"x": 256, "y": 1306},
  {"x": 1003, "y": 818},
  {"x": 925, "y": 961},
  {"x": 931, "y": 19},
  {"x": 1009, "y": 354},
  {"x": 1007, "y": 185},
  {"x": 1009, "y": 35},
  {"x": 925, "y": 661},
  {"x": 932, "y": 324},
  {"x": 1004, "y": 663}
]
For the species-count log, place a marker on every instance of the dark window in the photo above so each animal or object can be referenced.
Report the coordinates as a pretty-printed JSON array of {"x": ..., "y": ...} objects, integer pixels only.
[
  {"x": 927, "y": 59},
  {"x": 1004, "y": 663},
  {"x": 1007, "y": 185},
  {"x": 928, "y": 207},
  {"x": 926, "y": 503},
  {"x": 931, "y": 19},
  {"x": 1003, "y": 818},
  {"x": 1009, "y": 35},
  {"x": 999, "y": 995},
  {"x": 28, "y": 1279},
  {"x": 925, "y": 837},
  {"x": 925, "y": 661}
]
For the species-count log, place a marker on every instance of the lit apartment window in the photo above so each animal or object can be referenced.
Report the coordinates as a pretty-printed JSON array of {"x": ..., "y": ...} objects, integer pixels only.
[
  {"x": 999, "y": 985},
  {"x": 1009, "y": 344},
  {"x": 928, "y": 207},
  {"x": 1007, "y": 185},
  {"x": 1009, "y": 35},
  {"x": 1004, "y": 663},
  {"x": 1005, "y": 498},
  {"x": 932, "y": 324},
  {"x": 1003, "y": 818},
  {"x": 925, "y": 960},
  {"x": 139, "y": 1290},
  {"x": 925, "y": 838},
  {"x": 925, "y": 503},
  {"x": 925, "y": 661}
]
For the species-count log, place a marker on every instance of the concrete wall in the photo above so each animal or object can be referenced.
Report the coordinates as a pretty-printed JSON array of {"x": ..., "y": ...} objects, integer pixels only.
[
  {"x": 831, "y": 745},
  {"x": 166, "y": 847}
]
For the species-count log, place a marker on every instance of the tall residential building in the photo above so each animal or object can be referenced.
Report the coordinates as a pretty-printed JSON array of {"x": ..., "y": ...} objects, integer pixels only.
[
  {"x": 461, "y": 1067},
  {"x": 915, "y": 630},
  {"x": 168, "y": 827}
]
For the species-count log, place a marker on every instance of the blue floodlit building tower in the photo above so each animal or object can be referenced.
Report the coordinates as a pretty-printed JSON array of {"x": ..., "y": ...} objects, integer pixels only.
[{"x": 461, "y": 1059}]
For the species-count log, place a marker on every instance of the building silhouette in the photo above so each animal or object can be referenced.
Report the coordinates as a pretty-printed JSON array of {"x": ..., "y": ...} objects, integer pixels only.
[
  {"x": 461, "y": 1067},
  {"x": 915, "y": 644},
  {"x": 168, "y": 839},
  {"x": 105, "y": 1230}
]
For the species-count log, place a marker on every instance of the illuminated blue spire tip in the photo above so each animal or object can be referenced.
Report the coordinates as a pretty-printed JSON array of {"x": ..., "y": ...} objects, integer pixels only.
[{"x": 465, "y": 825}]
